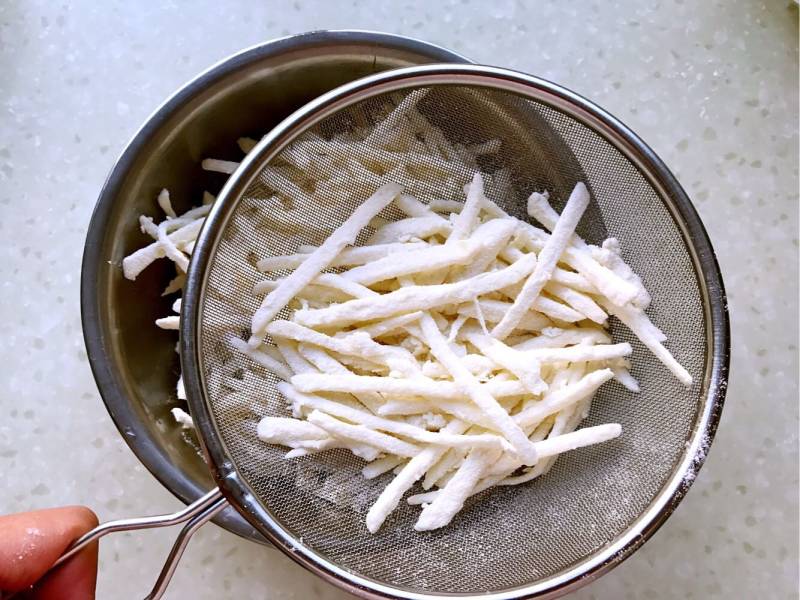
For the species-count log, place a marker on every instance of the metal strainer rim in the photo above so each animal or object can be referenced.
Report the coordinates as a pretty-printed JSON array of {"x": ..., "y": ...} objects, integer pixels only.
[{"x": 634, "y": 149}]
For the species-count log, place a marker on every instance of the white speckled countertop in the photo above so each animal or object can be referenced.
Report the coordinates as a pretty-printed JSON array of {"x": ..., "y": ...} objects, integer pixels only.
[{"x": 711, "y": 86}]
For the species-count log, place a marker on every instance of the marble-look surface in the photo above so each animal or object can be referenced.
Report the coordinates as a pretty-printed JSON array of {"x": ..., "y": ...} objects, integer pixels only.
[{"x": 711, "y": 86}]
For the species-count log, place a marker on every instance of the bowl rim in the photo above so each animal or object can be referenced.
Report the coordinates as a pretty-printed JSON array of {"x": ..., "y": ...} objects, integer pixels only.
[{"x": 129, "y": 421}]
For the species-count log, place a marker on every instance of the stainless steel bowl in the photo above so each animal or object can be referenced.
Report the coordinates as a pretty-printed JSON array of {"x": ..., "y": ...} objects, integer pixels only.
[{"x": 134, "y": 363}]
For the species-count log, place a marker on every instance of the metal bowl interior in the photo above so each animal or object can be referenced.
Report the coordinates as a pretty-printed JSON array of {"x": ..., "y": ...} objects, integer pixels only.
[{"x": 134, "y": 363}]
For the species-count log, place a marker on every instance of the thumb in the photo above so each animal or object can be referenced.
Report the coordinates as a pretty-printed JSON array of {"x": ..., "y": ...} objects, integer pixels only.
[{"x": 31, "y": 542}]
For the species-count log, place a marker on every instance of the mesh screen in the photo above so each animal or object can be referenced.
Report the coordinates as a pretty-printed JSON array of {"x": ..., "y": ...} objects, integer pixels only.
[{"x": 505, "y": 537}]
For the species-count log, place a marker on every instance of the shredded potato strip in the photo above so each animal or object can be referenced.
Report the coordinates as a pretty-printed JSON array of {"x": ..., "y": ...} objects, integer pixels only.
[
  {"x": 415, "y": 298},
  {"x": 548, "y": 258},
  {"x": 359, "y": 255},
  {"x": 451, "y": 498},
  {"x": 415, "y": 261},
  {"x": 402, "y": 388},
  {"x": 396, "y": 427},
  {"x": 320, "y": 259}
]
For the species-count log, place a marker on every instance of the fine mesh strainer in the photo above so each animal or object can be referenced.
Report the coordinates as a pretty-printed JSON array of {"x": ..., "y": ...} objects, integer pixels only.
[{"x": 598, "y": 504}]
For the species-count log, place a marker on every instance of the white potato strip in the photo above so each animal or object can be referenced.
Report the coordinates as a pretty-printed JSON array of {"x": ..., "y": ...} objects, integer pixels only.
[
  {"x": 545, "y": 305},
  {"x": 183, "y": 418},
  {"x": 316, "y": 293},
  {"x": 380, "y": 466},
  {"x": 180, "y": 389},
  {"x": 246, "y": 144},
  {"x": 610, "y": 255},
  {"x": 579, "y": 301},
  {"x": 553, "y": 337},
  {"x": 547, "y": 260},
  {"x": 449, "y": 461},
  {"x": 219, "y": 166},
  {"x": 507, "y": 465},
  {"x": 497, "y": 234},
  {"x": 393, "y": 408},
  {"x": 412, "y": 207},
  {"x": 500, "y": 469},
  {"x": 289, "y": 432},
  {"x": 416, "y": 227},
  {"x": 451, "y": 499},
  {"x": 414, "y": 298},
  {"x": 358, "y": 255},
  {"x": 320, "y": 259},
  {"x": 362, "y": 435},
  {"x": 579, "y": 353},
  {"x": 170, "y": 249},
  {"x": 363, "y": 451},
  {"x": 548, "y": 448},
  {"x": 616, "y": 289},
  {"x": 391, "y": 325},
  {"x": 622, "y": 375},
  {"x": 633, "y": 319},
  {"x": 553, "y": 446},
  {"x": 271, "y": 351},
  {"x": 168, "y": 323},
  {"x": 523, "y": 366},
  {"x": 265, "y": 360},
  {"x": 387, "y": 425},
  {"x": 602, "y": 279},
  {"x": 379, "y": 134},
  {"x": 535, "y": 412},
  {"x": 338, "y": 282},
  {"x": 402, "y": 388},
  {"x": 564, "y": 422},
  {"x": 165, "y": 204},
  {"x": 456, "y": 326},
  {"x": 354, "y": 344},
  {"x": 579, "y": 257},
  {"x": 476, "y": 363},
  {"x": 291, "y": 357},
  {"x": 464, "y": 411},
  {"x": 409, "y": 474},
  {"x": 467, "y": 219},
  {"x": 493, "y": 311},
  {"x": 573, "y": 280},
  {"x": 325, "y": 363},
  {"x": 135, "y": 263},
  {"x": 555, "y": 310},
  {"x": 477, "y": 392},
  {"x": 175, "y": 284},
  {"x": 446, "y": 206},
  {"x": 417, "y": 261}
]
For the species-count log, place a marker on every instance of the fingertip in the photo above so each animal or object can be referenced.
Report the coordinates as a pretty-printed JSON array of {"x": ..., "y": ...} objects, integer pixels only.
[{"x": 84, "y": 517}]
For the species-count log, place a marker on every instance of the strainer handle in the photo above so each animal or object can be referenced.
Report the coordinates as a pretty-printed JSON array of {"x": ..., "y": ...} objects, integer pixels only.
[{"x": 197, "y": 513}]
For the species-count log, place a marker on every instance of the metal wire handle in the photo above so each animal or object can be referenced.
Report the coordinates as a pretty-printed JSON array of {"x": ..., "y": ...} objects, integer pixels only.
[{"x": 197, "y": 513}]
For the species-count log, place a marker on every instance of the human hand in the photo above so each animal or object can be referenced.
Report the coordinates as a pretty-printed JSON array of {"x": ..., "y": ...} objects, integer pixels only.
[{"x": 31, "y": 542}]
